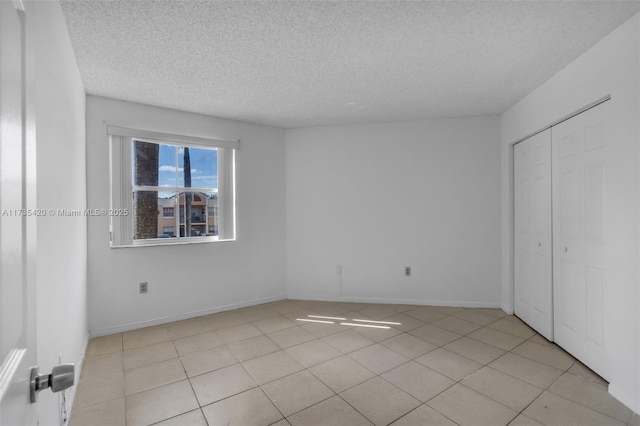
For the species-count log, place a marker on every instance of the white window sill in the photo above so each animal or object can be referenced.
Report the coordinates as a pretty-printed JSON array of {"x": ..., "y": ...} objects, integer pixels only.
[{"x": 172, "y": 242}]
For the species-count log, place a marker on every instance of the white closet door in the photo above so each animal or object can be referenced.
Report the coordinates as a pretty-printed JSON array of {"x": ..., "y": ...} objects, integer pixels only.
[
  {"x": 533, "y": 289},
  {"x": 579, "y": 268}
]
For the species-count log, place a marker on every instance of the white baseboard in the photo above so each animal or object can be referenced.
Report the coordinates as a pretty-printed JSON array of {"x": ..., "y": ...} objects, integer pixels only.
[
  {"x": 184, "y": 316},
  {"x": 420, "y": 302},
  {"x": 79, "y": 362},
  {"x": 630, "y": 401}
]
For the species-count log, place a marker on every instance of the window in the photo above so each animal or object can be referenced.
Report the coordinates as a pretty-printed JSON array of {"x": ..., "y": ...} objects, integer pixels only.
[{"x": 155, "y": 174}]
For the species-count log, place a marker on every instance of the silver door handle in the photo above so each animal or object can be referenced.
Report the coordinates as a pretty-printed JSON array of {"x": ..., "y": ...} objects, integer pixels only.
[{"x": 61, "y": 377}]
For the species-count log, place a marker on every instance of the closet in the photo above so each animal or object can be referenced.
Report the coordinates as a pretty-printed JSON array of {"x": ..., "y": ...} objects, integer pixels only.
[{"x": 560, "y": 246}]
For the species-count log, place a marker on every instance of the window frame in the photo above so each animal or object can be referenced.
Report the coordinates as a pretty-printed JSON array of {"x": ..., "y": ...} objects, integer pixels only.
[{"x": 122, "y": 186}]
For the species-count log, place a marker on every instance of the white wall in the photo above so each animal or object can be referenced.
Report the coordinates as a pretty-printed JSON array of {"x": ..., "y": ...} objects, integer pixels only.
[
  {"x": 220, "y": 275},
  {"x": 610, "y": 67},
  {"x": 378, "y": 197},
  {"x": 62, "y": 241}
]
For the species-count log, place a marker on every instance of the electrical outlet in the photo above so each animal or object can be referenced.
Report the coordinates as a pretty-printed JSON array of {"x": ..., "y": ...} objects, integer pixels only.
[
  {"x": 407, "y": 271},
  {"x": 144, "y": 288}
]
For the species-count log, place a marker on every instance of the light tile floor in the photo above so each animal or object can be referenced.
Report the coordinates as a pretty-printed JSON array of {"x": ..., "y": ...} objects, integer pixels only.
[{"x": 271, "y": 364}]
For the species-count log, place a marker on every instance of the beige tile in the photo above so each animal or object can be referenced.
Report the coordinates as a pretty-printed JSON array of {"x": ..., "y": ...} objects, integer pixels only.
[
  {"x": 579, "y": 369},
  {"x": 425, "y": 314},
  {"x": 407, "y": 322},
  {"x": 109, "y": 413},
  {"x": 99, "y": 388},
  {"x": 161, "y": 403},
  {"x": 256, "y": 313},
  {"x": 320, "y": 329},
  {"x": 378, "y": 358},
  {"x": 436, "y": 335},
  {"x": 189, "y": 327},
  {"x": 250, "y": 408},
  {"x": 377, "y": 334},
  {"x": 546, "y": 354},
  {"x": 475, "y": 316},
  {"x": 192, "y": 418},
  {"x": 515, "y": 328},
  {"x": 541, "y": 339},
  {"x": 348, "y": 341},
  {"x": 507, "y": 390},
  {"x": 447, "y": 310},
  {"x": 530, "y": 371},
  {"x": 457, "y": 325},
  {"x": 423, "y": 415},
  {"x": 145, "y": 336},
  {"x": 272, "y": 366},
  {"x": 523, "y": 420},
  {"x": 102, "y": 364},
  {"x": 475, "y": 350},
  {"x": 296, "y": 392},
  {"x": 197, "y": 343},
  {"x": 225, "y": 320},
  {"x": 205, "y": 361},
  {"x": 104, "y": 345},
  {"x": 139, "y": 357},
  {"x": 418, "y": 381},
  {"x": 374, "y": 312},
  {"x": 153, "y": 376},
  {"x": 467, "y": 407},
  {"x": 408, "y": 345},
  {"x": 238, "y": 332},
  {"x": 331, "y": 412},
  {"x": 556, "y": 410},
  {"x": 253, "y": 348},
  {"x": 341, "y": 373},
  {"x": 449, "y": 363},
  {"x": 380, "y": 401},
  {"x": 313, "y": 352},
  {"x": 590, "y": 394},
  {"x": 277, "y": 323},
  {"x": 494, "y": 312},
  {"x": 285, "y": 306},
  {"x": 496, "y": 338},
  {"x": 216, "y": 385},
  {"x": 290, "y": 337},
  {"x": 282, "y": 422}
]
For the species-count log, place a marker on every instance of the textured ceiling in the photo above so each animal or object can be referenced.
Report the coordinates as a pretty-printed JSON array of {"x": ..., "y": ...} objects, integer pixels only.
[{"x": 298, "y": 64}]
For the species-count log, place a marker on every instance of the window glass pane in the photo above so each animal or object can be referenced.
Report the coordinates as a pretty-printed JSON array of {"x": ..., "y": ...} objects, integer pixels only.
[
  {"x": 145, "y": 163},
  {"x": 194, "y": 218},
  {"x": 149, "y": 220},
  {"x": 167, "y": 165},
  {"x": 203, "y": 165},
  {"x": 153, "y": 164}
]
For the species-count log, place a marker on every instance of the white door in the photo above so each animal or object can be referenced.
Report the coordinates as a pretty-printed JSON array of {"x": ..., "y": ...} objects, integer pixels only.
[
  {"x": 580, "y": 270},
  {"x": 533, "y": 280},
  {"x": 17, "y": 240}
]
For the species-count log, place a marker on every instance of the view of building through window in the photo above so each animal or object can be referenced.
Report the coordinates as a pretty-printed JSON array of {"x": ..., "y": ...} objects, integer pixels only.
[{"x": 169, "y": 179}]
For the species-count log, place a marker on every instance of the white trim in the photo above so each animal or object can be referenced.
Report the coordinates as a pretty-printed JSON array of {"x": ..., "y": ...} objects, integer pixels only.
[
  {"x": 226, "y": 194},
  {"x": 80, "y": 363},
  {"x": 120, "y": 157},
  {"x": 420, "y": 302},
  {"x": 9, "y": 368},
  {"x": 179, "y": 189},
  {"x": 121, "y": 181},
  {"x": 188, "y": 315},
  {"x": 171, "y": 137}
]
